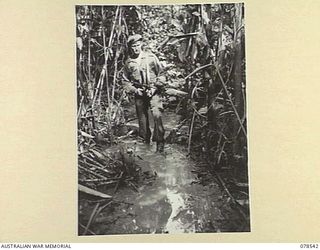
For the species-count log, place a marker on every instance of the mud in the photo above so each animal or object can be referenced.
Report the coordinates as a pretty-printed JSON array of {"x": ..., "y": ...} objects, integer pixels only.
[{"x": 173, "y": 201}]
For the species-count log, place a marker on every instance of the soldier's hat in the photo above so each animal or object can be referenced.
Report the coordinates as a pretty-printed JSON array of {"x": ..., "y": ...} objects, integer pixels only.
[{"x": 133, "y": 39}]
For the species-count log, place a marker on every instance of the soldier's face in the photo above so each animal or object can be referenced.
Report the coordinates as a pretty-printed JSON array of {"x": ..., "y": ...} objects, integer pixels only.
[{"x": 136, "y": 48}]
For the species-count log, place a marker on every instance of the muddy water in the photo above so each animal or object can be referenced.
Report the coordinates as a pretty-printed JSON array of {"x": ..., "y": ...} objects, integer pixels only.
[{"x": 172, "y": 201}]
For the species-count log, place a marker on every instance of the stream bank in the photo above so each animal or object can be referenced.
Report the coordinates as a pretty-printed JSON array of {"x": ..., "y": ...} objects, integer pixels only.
[{"x": 173, "y": 195}]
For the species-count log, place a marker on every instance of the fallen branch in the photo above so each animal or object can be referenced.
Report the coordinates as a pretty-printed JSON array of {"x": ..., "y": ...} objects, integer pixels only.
[
  {"x": 101, "y": 179},
  {"x": 125, "y": 136},
  {"x": 93, "y": 192},
  {"x": 94, "y": 162},
  {"x": 90, "y": 171},
  {"x": 86, "y": 134},
  {"x": 106, "y": 183},
  {"x": 102, "y": 170},
  {"x": 95, "y": 167}
]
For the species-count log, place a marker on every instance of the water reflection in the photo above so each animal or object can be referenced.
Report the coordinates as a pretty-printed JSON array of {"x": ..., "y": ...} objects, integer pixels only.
[{"x": 172, "y": 203}]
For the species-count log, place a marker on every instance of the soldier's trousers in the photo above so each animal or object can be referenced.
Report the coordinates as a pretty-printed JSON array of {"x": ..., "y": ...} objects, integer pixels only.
[{"x": 143, "y": 103}]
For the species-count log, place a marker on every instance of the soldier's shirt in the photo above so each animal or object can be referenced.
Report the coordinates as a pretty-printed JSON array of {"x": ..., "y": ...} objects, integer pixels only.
[{"x": 142, "y": 70}]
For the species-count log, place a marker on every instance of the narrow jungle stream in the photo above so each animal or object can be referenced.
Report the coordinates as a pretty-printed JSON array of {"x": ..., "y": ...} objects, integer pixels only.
[{"x": 174, "y": 201}]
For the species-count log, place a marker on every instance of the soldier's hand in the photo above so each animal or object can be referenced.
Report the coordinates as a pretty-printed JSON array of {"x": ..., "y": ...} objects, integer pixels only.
[{"x": 139, "y": 91}]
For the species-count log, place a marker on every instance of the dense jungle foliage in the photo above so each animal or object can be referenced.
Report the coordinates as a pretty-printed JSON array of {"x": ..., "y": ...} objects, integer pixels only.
[{"x": 202, "y": 50}]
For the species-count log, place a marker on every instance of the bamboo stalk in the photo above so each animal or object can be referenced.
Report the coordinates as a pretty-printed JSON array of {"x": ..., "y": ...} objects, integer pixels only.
[
  {"x": 244, "y": 113},
  {"x": 116, "y": 57},
  {"x": 106, "y": 54},
  {"x": 100, "y": 92},
  {"x": 200, "y": 17},
  {"x": 115, "y": 75},
  {"x": 190, "y": 133},
  {"x": 89, "y": 52},
  {"x": 100, "y": 82},
  {"x": 231, "y": 102},
  {"x": 106, "y": 50}
]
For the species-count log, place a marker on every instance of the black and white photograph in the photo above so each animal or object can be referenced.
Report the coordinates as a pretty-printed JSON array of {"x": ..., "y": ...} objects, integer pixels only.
[{"x": 161, "y": 119}]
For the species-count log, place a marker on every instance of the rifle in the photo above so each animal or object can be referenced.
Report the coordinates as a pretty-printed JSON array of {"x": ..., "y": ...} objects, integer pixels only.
[
  {"x": 159, "y": 89},
  {"x": 146, "y": 86}
]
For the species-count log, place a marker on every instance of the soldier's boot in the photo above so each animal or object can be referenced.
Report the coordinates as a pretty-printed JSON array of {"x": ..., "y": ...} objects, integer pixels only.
[
  {"x": 160, "y": 147},
  {"x": 158, "y": 134}
]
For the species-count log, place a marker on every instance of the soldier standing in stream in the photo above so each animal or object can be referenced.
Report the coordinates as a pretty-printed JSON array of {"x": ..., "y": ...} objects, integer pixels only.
[{"x": 140, "y": 75}]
